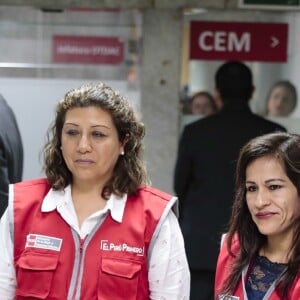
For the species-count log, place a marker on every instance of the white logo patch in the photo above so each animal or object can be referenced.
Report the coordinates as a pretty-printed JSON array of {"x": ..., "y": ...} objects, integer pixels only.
[
  {"x": 228, "y": 297},
  {"x": 43, "y": 242},
  {"x": 105, "y": 245}
]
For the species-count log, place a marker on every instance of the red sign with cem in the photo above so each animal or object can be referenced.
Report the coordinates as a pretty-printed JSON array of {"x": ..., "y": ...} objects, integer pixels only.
[
  {"x": 266, "y": 42},
  {"x": 87, "y": 49}
]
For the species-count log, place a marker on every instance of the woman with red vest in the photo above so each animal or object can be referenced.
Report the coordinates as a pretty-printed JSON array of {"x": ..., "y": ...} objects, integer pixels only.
[
  {"x": 92, "y": 229},
  {"x": 260, "y": 256}
]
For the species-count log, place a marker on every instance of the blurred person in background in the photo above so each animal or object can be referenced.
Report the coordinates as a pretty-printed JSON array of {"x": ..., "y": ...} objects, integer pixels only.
[
  {"x": 205, "y": 168},
  {"x": 11, "y": 152},
  {"x": 281, "y": 100},
  {"x": 203, "y": 103}
]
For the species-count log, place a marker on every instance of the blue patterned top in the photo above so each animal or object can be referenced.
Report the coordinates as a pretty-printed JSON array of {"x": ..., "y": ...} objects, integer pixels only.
[{"x": 263, "y": 274}]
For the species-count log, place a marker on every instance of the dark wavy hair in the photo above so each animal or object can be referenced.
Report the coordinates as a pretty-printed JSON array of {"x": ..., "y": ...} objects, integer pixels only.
[
  {"x": 286, "y": 148},
  {"x": 129, "y": 171}
]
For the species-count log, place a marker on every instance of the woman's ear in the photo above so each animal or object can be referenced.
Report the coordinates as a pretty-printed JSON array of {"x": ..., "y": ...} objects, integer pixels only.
[{"x": 123, "y": 143}]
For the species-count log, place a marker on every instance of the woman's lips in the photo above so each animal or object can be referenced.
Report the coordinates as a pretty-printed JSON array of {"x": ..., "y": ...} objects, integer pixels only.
[
  {"x": 264, "y": 214},
  {"x": 84, "y": 161}
]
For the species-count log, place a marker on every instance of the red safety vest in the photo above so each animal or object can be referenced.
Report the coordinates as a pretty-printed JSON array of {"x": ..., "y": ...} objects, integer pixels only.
[
  {"x": 223, "y": 270},
  {"x": 52, "y": 262}
]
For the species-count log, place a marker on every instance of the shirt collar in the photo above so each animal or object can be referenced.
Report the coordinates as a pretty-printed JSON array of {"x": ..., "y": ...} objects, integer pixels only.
[{"x": 55, "y": 198}]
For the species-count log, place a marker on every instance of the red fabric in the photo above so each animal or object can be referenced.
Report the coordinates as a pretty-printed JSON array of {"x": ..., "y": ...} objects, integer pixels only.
[
  {"x": 114, "y": 263},
  {"x": 223, "y": 270}
]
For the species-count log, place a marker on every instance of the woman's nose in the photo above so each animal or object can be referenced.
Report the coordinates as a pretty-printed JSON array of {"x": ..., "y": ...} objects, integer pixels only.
[
  {"x": 84, "y": 144},
  {"x": 262, "y": 198}
]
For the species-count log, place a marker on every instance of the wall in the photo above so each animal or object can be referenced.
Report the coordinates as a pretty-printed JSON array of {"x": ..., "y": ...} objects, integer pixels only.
[
  {"x": 128, "y": 4},
  {"x": 159, "y": 92}
]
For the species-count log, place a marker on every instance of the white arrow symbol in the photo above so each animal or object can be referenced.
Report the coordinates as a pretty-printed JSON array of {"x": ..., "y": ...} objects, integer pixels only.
[{"x": 275, "y": 42}]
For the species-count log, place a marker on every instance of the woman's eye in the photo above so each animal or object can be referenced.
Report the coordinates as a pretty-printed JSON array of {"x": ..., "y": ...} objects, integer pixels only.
[
  {"x": 251, "y": 188},
  {"x": 97, "y": 134},
  {"x": 274, "y": 187},
  {"x": 72, "y": 132}
]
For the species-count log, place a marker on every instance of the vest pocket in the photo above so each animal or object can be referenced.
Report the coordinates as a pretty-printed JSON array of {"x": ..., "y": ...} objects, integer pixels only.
[
  {"x": 34, "y": 274},
  {"x": 118, "y": 279}
]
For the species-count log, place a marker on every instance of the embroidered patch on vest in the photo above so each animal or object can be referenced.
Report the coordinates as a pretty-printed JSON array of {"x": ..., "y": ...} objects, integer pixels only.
[
  {"x": 43, "y": 242},
  {"x": 105, "y": 245},
  {"x": 228, "y": 297}
]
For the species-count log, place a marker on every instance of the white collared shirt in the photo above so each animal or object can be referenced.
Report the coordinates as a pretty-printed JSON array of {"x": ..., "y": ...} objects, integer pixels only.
[{"x": 168, "y": 275}]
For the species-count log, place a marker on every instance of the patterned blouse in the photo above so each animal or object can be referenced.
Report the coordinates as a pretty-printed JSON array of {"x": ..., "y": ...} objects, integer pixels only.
[{"x": 263, "y": 274}]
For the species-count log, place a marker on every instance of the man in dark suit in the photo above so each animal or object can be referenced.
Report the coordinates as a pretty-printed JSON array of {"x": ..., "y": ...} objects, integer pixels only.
[
  {"x": 11, "y": 152},
  {"x": 205, "y": 169}
]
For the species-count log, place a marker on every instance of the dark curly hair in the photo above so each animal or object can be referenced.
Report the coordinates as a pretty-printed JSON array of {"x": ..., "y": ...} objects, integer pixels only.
[{"x": 129, "y": 171}]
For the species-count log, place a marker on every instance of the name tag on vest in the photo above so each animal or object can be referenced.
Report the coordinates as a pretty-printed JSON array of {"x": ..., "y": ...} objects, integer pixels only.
[
  {"x": 228, "y": 297},
  {"x": 43, "y": 242}
]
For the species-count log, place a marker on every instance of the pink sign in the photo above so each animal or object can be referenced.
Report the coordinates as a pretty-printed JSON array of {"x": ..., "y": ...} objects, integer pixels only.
[
  {"x": 247, "y": 41},
  {"x": 87, "y": 50}
]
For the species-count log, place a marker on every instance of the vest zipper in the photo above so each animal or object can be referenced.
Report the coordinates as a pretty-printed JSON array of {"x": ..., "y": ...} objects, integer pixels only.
[
  {"x": 77, "y": 274},
  {"x": 79, "y": 268}
]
